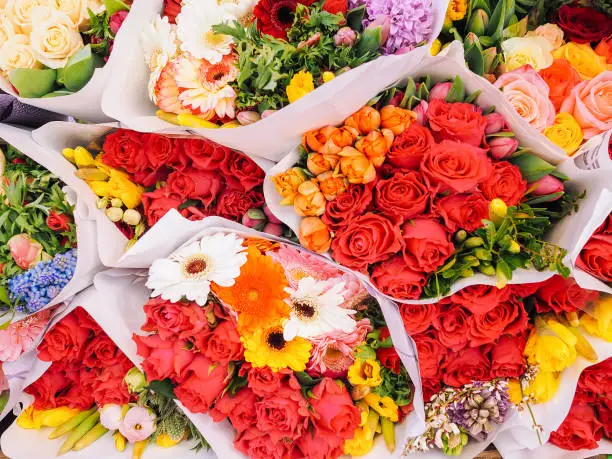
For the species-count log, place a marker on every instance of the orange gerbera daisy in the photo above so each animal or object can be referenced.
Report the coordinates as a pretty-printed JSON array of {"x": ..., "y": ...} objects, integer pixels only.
[{"x": 258, "y": 293}]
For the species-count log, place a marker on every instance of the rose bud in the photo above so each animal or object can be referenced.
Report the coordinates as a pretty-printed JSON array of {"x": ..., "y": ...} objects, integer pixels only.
[
  {"x": 274, "y": 229},
  {"x": 271, "y": 217},
  {"x": 546, "y": 185},
  {"x": 384, "y": 23},
  {"x": 248, "y": 117},
  {"x": 267, "y": 113},
  {"x": 131, "y": 217},
  {"x": 25, "y": 251},
  {"x": 345, "y": 37},
  {"x": 135, "y": 380},
  {"x": 440, "y": 91},
  {"x": 421, "y": 113},
  {"x": 495, "y": 123},
  {"x": 254, "y": 218},
  {"x": 502, "y": 147},
  {"x": 396, "y": 99},
  {"x": 115, "y": 214},
  {"x": 314, "y": 234}
]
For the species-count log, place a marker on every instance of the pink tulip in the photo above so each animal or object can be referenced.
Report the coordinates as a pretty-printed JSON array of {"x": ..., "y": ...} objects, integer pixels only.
[
  {"x": 254, "y": 218},
  {"x": 502, "y": 147},
  {"x": 25, "y": 251},
  {"x": 274, "y": 229},
  {"x": 495, "y": 123},
  {"x": 271, "y": 217},
  {"x": 440, "y": 91},
  {"x": 546, "y": 185},
  {"x": 421, "y": 113},
  {"x": 384, "y": 23}
]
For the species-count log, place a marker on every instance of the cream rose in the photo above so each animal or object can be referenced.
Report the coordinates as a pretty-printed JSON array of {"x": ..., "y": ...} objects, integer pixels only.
[
  {"x": 7, "y": 30},
  {"x": 552, "y": 33},
  {"x": 54, "y": 38},
  {"x": 20, "y": 13},
  {"x": 519, "y": 51},
  {"x": 16, "y": 53},
  {"x": 75, "y": 9}
]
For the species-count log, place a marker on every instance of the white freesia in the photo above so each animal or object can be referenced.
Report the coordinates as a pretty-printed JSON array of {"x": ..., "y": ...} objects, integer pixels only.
[
  {"x": 55, "y": 37},
  {"x": 20, "y": 13},
  {"x": 189, "y": 271},
  {"x": 111, "y": 416},
  {"x": 316, "y": 310},
  {"x": 195, "y": 30},
  {"x": 519, "y": 51},
  {"x": 75, "y": 9},
  {"x": 16, "y": 53},
  {"x": 7, "y": 30},
  {"x": 159, "y": 45}
]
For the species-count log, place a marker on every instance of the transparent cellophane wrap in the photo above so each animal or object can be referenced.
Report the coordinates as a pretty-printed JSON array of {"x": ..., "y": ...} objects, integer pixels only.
[{"x": 126, "y": 96}]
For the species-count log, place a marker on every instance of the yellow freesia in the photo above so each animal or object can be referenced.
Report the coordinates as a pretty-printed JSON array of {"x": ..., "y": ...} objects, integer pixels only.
[
  {"x": 121, "y": 187},
  {"x": 301, "y": 84},
  {"x": 385, "y": 406},
  {"x": 565, "y": 133},
  {"x": 31, "y": 418},
  {"x": 365, "y": 372},
  {"x": 581, "y": 56},
  {"x": 599, "y": 322}
]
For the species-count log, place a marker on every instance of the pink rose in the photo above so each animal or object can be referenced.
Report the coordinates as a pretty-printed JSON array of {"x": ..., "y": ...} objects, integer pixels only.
[
  {"x": 240, "y": 409},
  {"x": 590, "y": 102},
  {"x": 25, "y": 251},
  {"x": 528, "y": 93},
  {"x": 284, "y": 415}
]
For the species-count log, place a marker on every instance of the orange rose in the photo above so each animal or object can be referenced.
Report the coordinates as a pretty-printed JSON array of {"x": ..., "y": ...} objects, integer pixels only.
[
  {"x": 396, "y": 118},
  {"x": 309, "y": 201},
  {"x": 376, "y": 145},
  {"x": 561, "y": 79},
  {"x": 356, "y": 166},
  {"x": 331, "y": 184},
  {"x": 314, "y": 235},
  {"x": 287, "y": 183},
  {"x": 366, "y": 120},
  {"x": 318, "y": 163},
  {"x": 604, "y": 48}
]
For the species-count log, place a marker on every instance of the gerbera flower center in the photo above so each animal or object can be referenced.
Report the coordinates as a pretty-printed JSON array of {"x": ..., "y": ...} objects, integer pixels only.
[
  {"x": 137, "y": 427},
  {"x": 195, "y": 266},
  {"x": 253, "y": 295},
  {"x": 282, "y": 13},
  {"x": 275, "y": 339},
  {"x": 305, "y": 308}
]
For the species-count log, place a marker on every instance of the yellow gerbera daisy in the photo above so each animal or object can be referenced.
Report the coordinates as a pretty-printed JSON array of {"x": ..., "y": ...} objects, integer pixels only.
[
  {"x": 385, "y": 406},
  {"x": 268, "y": 348},
  {"x": 365, "y": 373}
]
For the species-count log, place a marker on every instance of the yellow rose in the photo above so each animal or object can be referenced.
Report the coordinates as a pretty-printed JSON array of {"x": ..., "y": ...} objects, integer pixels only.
[
  {"x": 287, "y": 183},
  {"x": 599, "y": 323},
  {"x": 301, "y": 84},
  {"x": 20, "y": 13},
  {"x": 585, "y": 61},
  {"x": 565, "y": 133},
  {"x": 7, "y": 30},
  {"x": 551, "y": 32},
  {"x": 54, "y": 38},
  {"x": 535, "y": 51},
  {"x": 365, "y": 372},
  {"x": 16, "y": 53},
  {"x": 75, "y": 9},
  {"x": 548, "y": 350}
]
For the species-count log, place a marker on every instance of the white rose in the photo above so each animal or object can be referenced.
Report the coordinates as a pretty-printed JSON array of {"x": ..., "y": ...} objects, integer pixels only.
[
  {"x": 7, "y": 30},
  {"x": 16, "y": 53},
  {"x": 519, "y": 51},
  {"x": 75, "y": 9},
  {"x": 552, "y": 33},
  {"x": 20, "y": 13},
  {"x": 54, "y": 38}
]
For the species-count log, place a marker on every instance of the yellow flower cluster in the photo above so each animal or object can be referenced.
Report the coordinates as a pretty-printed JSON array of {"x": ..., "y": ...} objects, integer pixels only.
[
  {"x": 301, "y": 84},
  {"x": 565, "y": 132}
]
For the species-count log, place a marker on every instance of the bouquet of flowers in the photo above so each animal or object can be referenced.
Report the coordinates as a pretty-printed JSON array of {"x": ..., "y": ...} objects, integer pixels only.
[
  {"x": 595, "y": 258},
  {"x": 291, "y": 350},
  {"x": 91, "y": 389},
  {"x": 51, "y": 48},
  {"x": 424, "y": 188}
]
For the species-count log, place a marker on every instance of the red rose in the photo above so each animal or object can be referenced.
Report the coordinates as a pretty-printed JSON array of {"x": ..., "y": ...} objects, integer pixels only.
[
  {"x": 506, "y": 183},
  {"x": 580, "y": 430},
  {"x": 101, "y": 352},
  {"x": 320, "y": 443},
  {"x": 333, "y": 408},
  {"x": 149, "y": 177},
  {"x": 430, "y": 353},
  {"x": 604, "y": 414},
  {"x": 163, "y": 151},
  {"x": 387, "y": 356},
  {"x": 244, "y": 169},
  {"x": 596, "y": 257},
  {"x": 240, "y": 409},
  {"x": 171, "y": 320},
  {"x": 65, "y": 341},
  {"x": 456, "y": 121},
  {"x": 524, "y": 290},
  {"x": 199, "y": 391},
  {"x": 507, "y": 359},
  {"x": 124, "y": 149},
  {"x": 563, "y": 295},
  {"x": 205, "y": 154},
  {"x": 367, "y": 239},
  {"x": 110, "y": 387},
  {"x": 284, "y": 415},
  {"x": 417, "y": 317},
  {"x": 224, "y": 344},
  {"x": 256, "y": 444},
  {"x": 606, "y": 226},
  {"x": 405, "y": 195},
  {"x": 157, "y": 203},
  {"x": 158, "y": 355},
  {"x": 452, "y": 323},
  {"x": 191, "y": 183},
  {"x": 508, "y": 317},
  {"x": 479, "y": 299},
  {"x": 80, "y": 394},
  {"x": 583, "y": 25},
  {"x": 410, "y": 146},
  {"x": 395, "y": 278},
  {"x": 346, "y": 206},
  {"x": 263, "y": 381},
  {"x": 466, "y": 366},
  {"x": 172, "y": 8},
  {"x": 456, "y": 166},
  {"x": 463, "y": 211},
  {"x": 597, "y": 378},
  {"x": 86, "y": 321},
  {"x": 233, "y": 205},
  {"x": 427, "y": 245},
  {"x": 46, "y": 388},
  {"x": 58, "y": 222},
  {"x": 430, "y": 388}
]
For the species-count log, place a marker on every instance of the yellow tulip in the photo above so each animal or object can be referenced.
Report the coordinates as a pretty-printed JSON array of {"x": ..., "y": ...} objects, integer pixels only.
[
  {"x": 599, "y": 322},
  {"x": 121, "y": 187}
]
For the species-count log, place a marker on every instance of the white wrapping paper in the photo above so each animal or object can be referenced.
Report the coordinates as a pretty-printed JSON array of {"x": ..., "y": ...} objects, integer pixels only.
[
  {"x": 508, "y": 451},
  {"x": 125, "y": 294},
  {"x": 126, "y": 98},
  {"x": 88, "y": 262},
  {"x": 595, "y": 153}
]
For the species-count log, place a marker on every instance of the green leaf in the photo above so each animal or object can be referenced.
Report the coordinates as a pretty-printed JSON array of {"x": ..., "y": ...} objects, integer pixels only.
[
  {"x": 80, "y": 68},
  {"x": 545, "y": 198},
  {"x": 409, "y": 91},
  {"x": 369, "y": 42},
  {"x": 472, "y": 97},
  {"x": 503, "y": 273},
  {"x": 4, "y": 296},
  {"x": 354, "y": 18},
  {"x": 113, "y": 6},
  {"x": 163, "y": 387},
  {"x": 33, "y": 83},
  {"x": 475, "y": 60},
  {"x": 532, "y": 167},
  {"x": 457, "y": 91},
  {"x": 518, "y": 29}
]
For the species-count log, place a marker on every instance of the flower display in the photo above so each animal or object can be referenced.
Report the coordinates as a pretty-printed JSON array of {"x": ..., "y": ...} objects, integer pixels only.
[
  {"x": 52, "y": 48},
  {"x": 89, "y": 391},
  {"x": 233, "y": 63},
  {"x": 417, "y": 204},
  {"x": 37, "y": 254},
  {"x": 280, "y": 362}
]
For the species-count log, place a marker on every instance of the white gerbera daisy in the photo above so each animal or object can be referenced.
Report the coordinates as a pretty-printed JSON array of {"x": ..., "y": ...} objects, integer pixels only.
[
  {"x": 315, "y": 309},
  {"x": 195, "y": 30},
  {"x": 189, "y": 271},
  {"x": 159, "y": 45}
]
